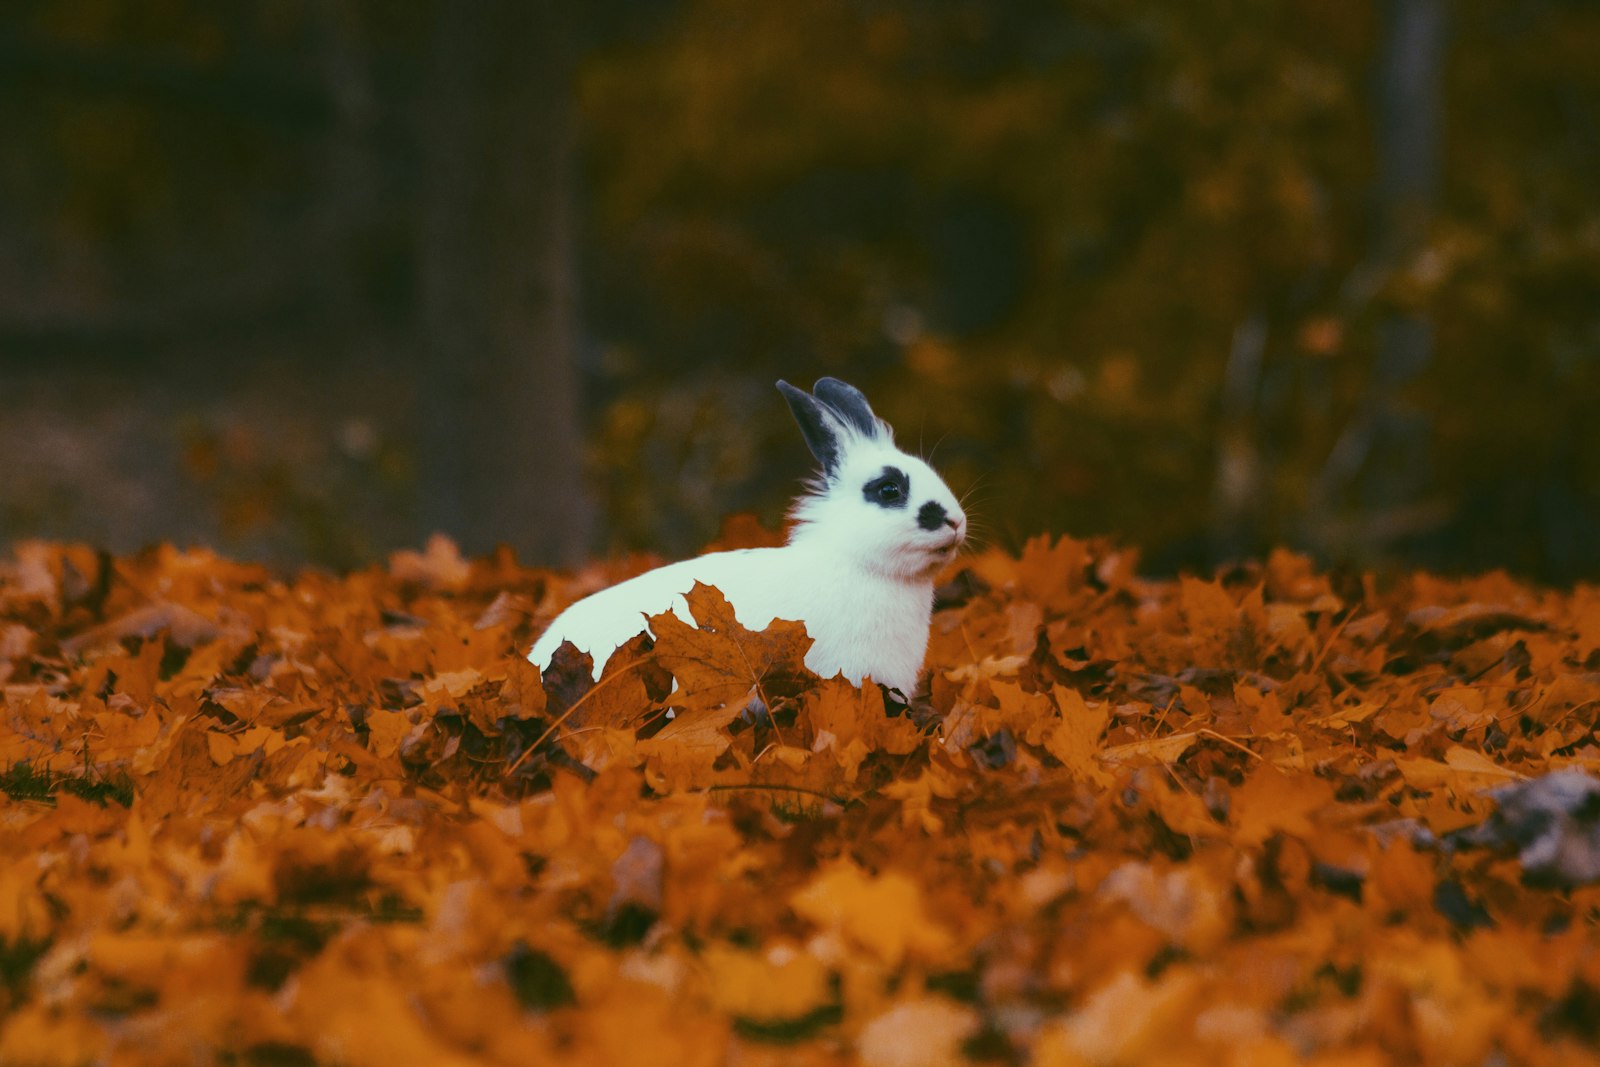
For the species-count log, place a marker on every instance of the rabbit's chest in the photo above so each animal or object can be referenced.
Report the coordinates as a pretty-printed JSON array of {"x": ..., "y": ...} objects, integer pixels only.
[{"x": 877, "y": 630}]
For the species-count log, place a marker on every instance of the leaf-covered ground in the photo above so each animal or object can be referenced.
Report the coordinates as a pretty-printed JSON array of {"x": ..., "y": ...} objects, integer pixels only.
[{"x": 339, "y": 820}]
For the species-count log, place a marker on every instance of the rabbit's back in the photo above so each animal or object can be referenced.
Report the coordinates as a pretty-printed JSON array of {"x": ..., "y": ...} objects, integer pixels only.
[{"x": 599, "y": 623}]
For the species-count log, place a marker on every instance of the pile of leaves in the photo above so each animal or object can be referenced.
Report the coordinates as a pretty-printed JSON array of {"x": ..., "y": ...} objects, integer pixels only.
[{"x": 1267, "y": 818}]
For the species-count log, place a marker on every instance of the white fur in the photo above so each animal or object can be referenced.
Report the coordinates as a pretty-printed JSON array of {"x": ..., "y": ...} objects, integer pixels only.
[{"x": 859, "y": 576}]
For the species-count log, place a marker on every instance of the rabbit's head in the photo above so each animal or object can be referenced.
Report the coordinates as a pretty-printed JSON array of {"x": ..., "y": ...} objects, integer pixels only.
[{"x": 884, "y": 509}]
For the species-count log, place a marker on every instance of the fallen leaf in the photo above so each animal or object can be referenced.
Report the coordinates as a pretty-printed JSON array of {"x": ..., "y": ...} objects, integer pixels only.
[
  {"x": 717, "y": 661},
  {"x": 781, "y": 982},
  {"x": 926, "y": 1032},
  {"x": 884, "y": 914}
]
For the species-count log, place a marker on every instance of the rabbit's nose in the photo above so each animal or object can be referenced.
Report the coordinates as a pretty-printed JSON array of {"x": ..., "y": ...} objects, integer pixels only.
[{"x": 932, "y": 515}]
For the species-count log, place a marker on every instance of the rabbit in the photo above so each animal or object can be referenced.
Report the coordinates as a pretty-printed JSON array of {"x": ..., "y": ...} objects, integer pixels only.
[{"x": 866, "y": 540}]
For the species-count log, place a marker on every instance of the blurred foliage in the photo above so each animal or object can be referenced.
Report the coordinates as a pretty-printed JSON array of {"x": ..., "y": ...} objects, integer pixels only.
[
  {"x": 1034, "y": 232},
  {"x": 1036, "y": 228}
]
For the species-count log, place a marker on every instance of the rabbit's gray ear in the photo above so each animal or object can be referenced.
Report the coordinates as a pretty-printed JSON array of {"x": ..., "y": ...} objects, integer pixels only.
[
  {"x": 850, "y": 404},
  {"x": 818, "y": 424}
]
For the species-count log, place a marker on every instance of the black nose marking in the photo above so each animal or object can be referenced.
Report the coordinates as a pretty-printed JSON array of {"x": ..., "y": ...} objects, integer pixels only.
[{"x": 931, "y": 515}]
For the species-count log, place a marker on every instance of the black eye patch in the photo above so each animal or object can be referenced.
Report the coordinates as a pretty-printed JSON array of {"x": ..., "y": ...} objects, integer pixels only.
[{"x": 891, "y": 489}]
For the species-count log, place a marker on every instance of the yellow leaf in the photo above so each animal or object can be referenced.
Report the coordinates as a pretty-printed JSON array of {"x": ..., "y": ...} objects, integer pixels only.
[
  {"x": 778, "y": 983},
  {"x": 1076, "y": 739},
  {"x": 882, "y": 914},
  {"x": 1462, "y": 770},
  {"x": 1465, "y": 759},
  {"x": 1155, "y": 750}
]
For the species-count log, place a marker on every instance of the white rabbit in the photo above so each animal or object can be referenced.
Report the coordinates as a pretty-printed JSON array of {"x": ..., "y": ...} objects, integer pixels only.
[{"x": 868, "y": 537}]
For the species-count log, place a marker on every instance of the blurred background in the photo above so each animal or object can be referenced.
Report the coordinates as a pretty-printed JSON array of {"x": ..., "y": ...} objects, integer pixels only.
[{"x": 306, "y": 280}]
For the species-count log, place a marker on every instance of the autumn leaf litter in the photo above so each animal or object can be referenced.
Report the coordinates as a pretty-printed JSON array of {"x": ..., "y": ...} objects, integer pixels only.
[{"x": 1267, "y": 817}]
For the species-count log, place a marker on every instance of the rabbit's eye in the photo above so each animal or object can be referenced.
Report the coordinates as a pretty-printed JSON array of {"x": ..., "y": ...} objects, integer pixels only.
[{"x": 889, "y": 489}]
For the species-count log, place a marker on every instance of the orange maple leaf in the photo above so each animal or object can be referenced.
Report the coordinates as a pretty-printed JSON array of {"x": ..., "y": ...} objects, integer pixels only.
[{"x": 717, "y": 662}]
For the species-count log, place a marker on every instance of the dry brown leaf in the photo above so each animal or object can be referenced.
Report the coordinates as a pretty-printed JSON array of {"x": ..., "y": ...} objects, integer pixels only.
[{"x": 717, "y": 661}]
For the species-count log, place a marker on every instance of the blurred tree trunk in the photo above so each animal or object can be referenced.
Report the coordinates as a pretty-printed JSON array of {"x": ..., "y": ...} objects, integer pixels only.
[
  {"x": 344, "y": 206},
  {"x": 500, "y": 448},
  {"x": 1237, "y": 495},
  {"x": 1379, "y": 464}
]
